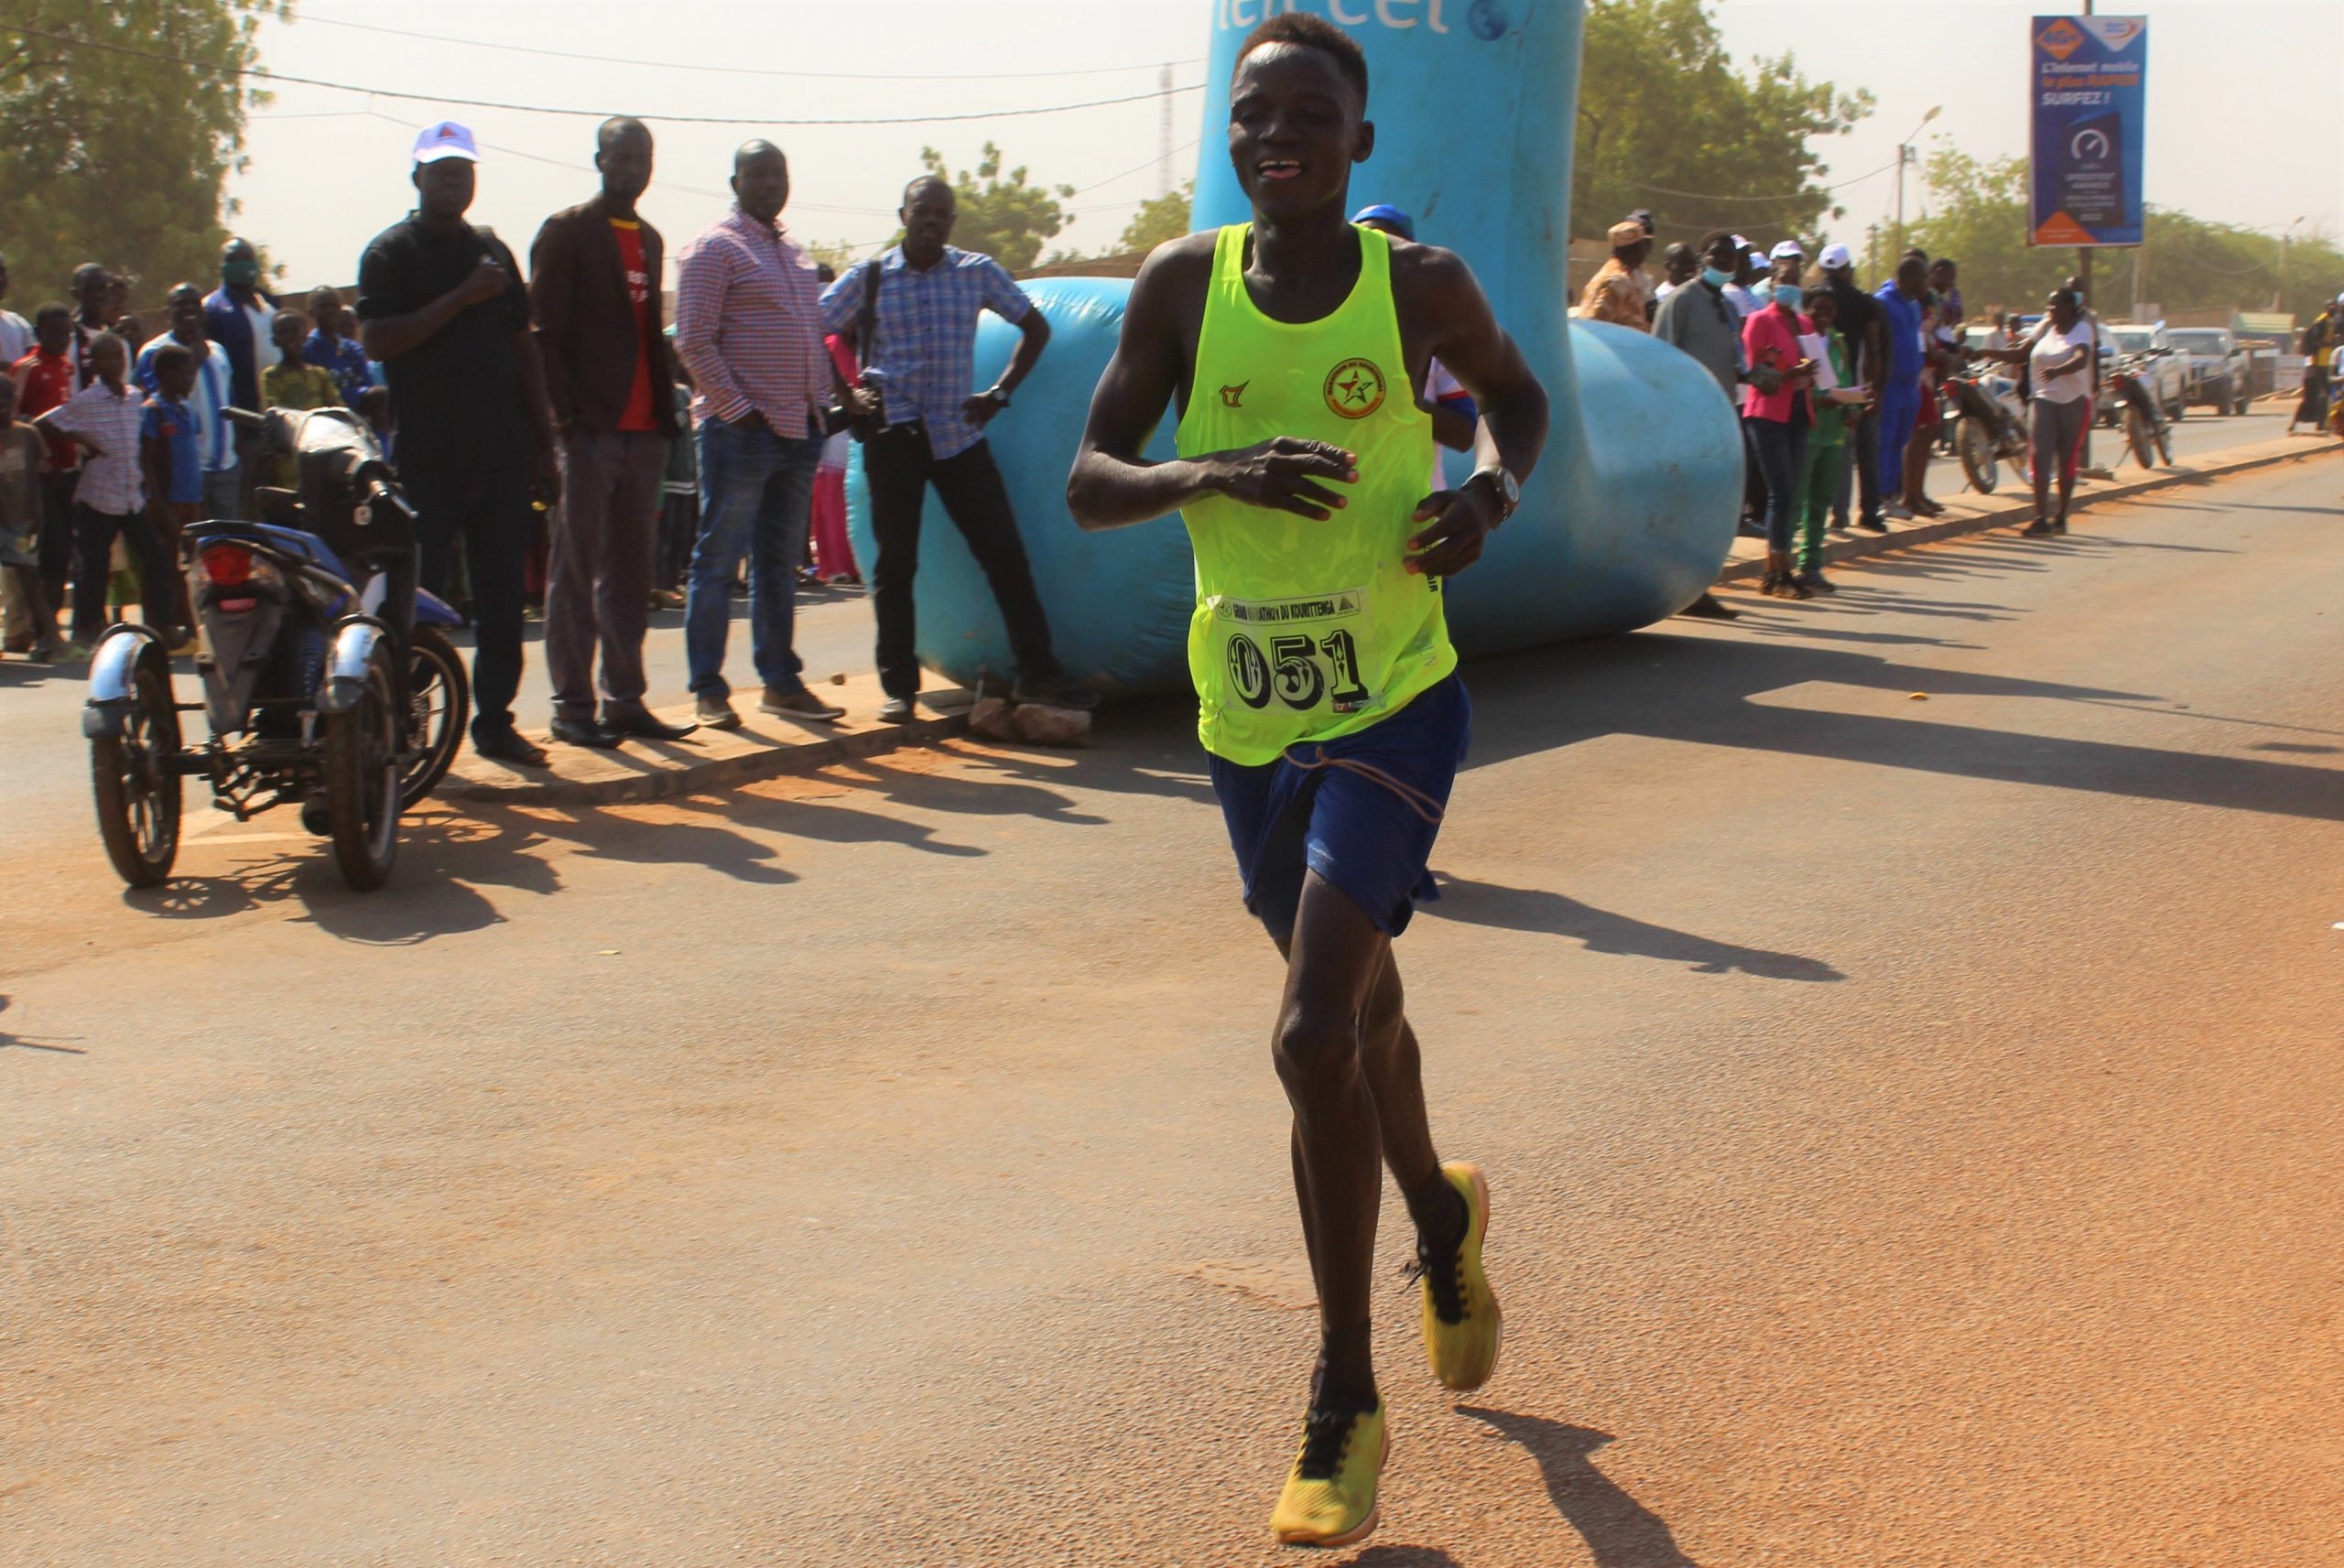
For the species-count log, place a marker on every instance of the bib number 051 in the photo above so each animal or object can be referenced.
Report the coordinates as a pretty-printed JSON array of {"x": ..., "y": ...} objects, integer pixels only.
[{"x": 1297, "y": 671}]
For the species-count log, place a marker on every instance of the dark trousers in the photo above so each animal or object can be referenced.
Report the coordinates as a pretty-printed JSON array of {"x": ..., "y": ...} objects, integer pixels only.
[
  {"x": 1781, "y": 452},
  {"x": 598, "y": 579},
  {"x": 486, "y": 510},
  {"x": 57, "y": 532},
  {"x": 2312, "y": 408},
  {"x": 900, "y": 466},
  {"x": 93, "y": 536},
  {"x": 1864, "y": 437}
]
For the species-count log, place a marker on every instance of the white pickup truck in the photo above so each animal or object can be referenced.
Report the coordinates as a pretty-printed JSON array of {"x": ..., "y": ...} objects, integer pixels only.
[
  {"x": 2162, "y": 366},
  {"x": 2217, "y": 372}
]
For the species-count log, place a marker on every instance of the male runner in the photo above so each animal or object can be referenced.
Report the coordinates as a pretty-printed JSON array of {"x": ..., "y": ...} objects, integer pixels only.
[{"x": 1331, "y": 703}]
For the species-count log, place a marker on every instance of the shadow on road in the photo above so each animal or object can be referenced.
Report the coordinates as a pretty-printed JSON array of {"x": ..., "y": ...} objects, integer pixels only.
[
  {"x": 1602, "y": 931},
  {"x": 1403, "y": 1557},
  {"x": 1620, "y": 1532},
  {"x": 18, "y": 1042}
]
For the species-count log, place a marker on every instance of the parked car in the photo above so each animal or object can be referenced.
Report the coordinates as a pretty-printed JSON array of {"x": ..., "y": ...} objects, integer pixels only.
[
  {"x": 2164, "y": 370},
  {"x": 2217, "y": 365}
]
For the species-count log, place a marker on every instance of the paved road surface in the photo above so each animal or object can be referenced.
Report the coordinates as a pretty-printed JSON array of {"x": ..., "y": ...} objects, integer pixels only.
[{"x": 1913, "y": 1125}]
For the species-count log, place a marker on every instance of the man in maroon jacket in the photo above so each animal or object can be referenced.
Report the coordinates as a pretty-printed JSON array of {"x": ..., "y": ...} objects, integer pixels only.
[{"x": 594, "y": 288}]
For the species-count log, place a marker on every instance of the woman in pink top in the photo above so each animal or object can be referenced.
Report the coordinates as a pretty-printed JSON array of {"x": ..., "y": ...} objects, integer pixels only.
[{"x": 1778, "y": 421}]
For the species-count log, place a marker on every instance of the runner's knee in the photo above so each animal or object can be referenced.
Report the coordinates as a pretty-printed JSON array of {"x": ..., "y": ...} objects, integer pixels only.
[{"x": 1317, "y": 1047}]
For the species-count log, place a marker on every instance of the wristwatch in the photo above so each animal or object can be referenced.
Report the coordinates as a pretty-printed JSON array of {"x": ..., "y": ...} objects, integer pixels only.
[
  {"x": 999, "y": 393},
  {"x": 1509, "y": 492}
]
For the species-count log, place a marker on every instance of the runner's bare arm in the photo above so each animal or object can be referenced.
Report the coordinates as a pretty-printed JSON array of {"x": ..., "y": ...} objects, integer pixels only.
[
  {"x": 1113, "y": 486},
  {"x": 1444, "y": 315}
]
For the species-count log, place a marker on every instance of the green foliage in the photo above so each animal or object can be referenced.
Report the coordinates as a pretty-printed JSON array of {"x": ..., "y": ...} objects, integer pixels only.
[
  {"x": 1662, "y": 113},
  {"x": 836, "y": 254},
  {"x": 112, "y": 158},
  {"x": 1158, "y": 219},
  {"x": 1978, "y": 215},
  {"x": 1004, "y": 218}
]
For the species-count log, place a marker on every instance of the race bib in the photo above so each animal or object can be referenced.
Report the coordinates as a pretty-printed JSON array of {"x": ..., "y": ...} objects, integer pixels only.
[{"x": 1302, "y": 653}]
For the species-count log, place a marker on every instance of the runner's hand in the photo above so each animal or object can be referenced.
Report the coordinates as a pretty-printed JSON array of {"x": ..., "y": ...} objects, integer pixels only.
[
  {"x": 1462, "y": 520},
  {"x": 1279, "y": 474}
]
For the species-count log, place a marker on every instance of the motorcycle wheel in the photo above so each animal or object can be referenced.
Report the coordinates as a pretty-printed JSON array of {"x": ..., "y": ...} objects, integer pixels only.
[
  {"x": 440, "y": 697},
  {"x": 2137, "y": 437},
  {"x": 137, "y": 795},
  {"x": 362, "y": 778},
  {"x": 2165, "y": 444},
  {"x": 1977, "y": 450}
]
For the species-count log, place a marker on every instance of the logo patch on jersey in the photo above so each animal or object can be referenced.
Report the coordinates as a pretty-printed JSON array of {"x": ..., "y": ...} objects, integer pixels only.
[
  {"x": 1234, "y": 396},
  {"x": 1355, "y": 389}
]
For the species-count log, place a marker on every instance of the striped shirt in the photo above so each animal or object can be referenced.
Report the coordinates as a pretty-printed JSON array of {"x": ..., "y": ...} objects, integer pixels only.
[
  {"x": 923, "y": 348},
  {"x": 110, "y": 481},
  {"x": 215, "y": 439},
  {"x": 748, "y": 326}
]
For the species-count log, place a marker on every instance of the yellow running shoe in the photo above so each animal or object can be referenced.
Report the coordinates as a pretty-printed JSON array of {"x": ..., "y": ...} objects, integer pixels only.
[
  {"x": 1330, "y": 1499},
  {"x": 1462, "y": 1323}
]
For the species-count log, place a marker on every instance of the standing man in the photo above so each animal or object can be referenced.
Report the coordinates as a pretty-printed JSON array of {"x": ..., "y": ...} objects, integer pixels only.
[
  {"x": 16, "y": 332},
  {"x": 1680, "y": 266},
  {"x": 1702, "y": 321},
  {"x": 748, "y": 329},
  {"x": 2318, "y": 343},
  {"x": 1899, "y": 388},
  {"x": 594, "y": 284},
  {"x": 442, "y": 308},
  {"x": 1619, "y": 292},
  {"x": 214, "y": 437},
  {"x": 93, "y": 289},
  {"x": 239, "y": 317},
  {"x": 1331, "y": 703},
  {"x": 1863, "y": 325},
  {"x": 917, "y": 379}
]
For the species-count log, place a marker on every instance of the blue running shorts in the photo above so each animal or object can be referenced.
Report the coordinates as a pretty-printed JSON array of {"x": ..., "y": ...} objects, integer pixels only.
[{"x": 1362, "y": 811}]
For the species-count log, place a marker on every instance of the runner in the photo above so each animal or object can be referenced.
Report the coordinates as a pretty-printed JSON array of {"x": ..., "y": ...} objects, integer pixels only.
[{"x": 1330, "y": 706}]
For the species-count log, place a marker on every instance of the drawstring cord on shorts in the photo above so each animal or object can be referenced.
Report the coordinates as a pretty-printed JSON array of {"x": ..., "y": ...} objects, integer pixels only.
[{"x": 1416, "y": 800}]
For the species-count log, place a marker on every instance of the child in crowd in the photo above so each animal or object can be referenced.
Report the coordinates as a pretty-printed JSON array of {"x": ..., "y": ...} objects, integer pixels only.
[
  {"x": 293, "y": 382},
  {"x": 679, "y": 498},
  {"x": 833, "y": 554},
  {"x": 20, "y": 526},
  {"x": 170, "y": 454},
  {"x": 44, "y": 380},
  {"x": 332, "y": 348},
  {"x": 109, "y": 499}
]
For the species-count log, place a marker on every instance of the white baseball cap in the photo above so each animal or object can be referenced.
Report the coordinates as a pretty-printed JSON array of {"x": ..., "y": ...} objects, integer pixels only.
[
  {"x": 1787, "y": 248},
  {"x": 446, "y": 139},
  {"x": 1834, "y": 257},
  {"x": 1741, "y": 244}
]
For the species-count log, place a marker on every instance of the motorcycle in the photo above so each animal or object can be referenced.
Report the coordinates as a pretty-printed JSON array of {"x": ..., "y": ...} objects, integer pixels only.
[
  {"x": 307, "y": 697},
  {"x": 2134, "y": 405},
  {"x": 1990, "y": 424}
]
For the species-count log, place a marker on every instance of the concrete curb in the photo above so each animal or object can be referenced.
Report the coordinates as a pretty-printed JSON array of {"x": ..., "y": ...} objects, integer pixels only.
[
  {"x": 1996, "y": 512},
  {"x": 717, "y": 773}
]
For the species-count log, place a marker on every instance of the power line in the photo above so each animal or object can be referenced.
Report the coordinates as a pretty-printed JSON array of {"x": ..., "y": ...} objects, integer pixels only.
[
  {"x": 723, "y": 70},
  {"x": 1793, "y": 196},
  {"x": 263, "y": 74}
]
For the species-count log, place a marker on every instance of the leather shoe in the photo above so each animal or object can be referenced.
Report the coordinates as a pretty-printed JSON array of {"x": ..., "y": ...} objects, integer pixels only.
[
  {"x": 507, "y": 746},
  {"x": 646, "y": 725},
  {"x": 590, "y": 732},
  {"x": 798, "y": 704}
]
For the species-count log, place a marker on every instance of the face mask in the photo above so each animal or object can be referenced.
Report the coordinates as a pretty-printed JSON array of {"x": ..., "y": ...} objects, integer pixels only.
[
  {"x": 1715, "y": 278},
  {"x": 242, "y": 274},
  {"x": 1788, "y": 295}
]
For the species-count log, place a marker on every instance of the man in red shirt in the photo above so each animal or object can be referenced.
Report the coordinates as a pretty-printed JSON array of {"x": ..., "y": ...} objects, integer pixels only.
[
  {"x": 595, "y": 290},
  {"x": 45, "y": 378}
]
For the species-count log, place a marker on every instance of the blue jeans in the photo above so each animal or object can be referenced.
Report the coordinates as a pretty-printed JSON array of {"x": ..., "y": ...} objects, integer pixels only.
[
  {"x": 1781, "y": 451},
  {"x": 1900, "y": 405},
  {"x": 755, "y": 490}
]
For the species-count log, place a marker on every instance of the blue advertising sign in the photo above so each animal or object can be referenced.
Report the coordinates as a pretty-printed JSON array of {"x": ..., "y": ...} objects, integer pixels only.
[{"x": 2089, "y": 81}]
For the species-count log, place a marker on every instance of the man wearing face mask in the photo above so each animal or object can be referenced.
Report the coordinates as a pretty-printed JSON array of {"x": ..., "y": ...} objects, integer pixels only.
[
  {"x": 1700, "y": 320},
  {"x": 238, "y": 315}
]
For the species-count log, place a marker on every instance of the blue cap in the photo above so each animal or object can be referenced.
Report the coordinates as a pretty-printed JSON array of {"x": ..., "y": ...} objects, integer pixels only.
[{"x": 1385, "y": 212}]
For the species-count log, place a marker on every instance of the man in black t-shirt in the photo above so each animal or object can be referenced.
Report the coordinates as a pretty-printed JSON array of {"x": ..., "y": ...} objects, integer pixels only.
[
  {"x": 444, "y": 309},
  {"x": 1861, "y": 324}
]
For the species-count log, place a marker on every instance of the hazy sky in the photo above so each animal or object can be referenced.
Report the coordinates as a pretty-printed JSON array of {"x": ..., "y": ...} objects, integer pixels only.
[{"x": 2245, "y": 124}]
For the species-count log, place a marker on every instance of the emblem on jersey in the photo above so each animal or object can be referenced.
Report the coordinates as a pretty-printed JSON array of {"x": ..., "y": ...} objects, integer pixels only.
[
  {"x": 1355, "y": 389},
  {"x": 1234, "y": 396}
]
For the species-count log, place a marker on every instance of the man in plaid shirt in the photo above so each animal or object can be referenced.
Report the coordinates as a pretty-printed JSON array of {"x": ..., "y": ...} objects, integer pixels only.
[
  {"x": 918, "y": 372},
  {"x": 748, "y": 327}
]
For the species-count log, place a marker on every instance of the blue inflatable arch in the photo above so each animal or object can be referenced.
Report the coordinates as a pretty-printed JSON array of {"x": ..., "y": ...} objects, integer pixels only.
[{"x": 1631, "y": 509}]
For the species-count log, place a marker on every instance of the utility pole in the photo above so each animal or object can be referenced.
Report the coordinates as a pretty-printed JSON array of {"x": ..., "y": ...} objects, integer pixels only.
[
  {"x": 1906, "y": 153},
  {"x": 2083, "y": 276},
  {"x": 1164, "y": 142}
]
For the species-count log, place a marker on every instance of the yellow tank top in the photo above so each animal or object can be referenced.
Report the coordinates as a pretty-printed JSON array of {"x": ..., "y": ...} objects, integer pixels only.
[{"x": 1305, "y": 631}]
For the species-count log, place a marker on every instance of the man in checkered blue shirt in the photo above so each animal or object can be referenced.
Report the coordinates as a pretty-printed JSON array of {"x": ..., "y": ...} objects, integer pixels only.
[{"x": 918, "y": 370}]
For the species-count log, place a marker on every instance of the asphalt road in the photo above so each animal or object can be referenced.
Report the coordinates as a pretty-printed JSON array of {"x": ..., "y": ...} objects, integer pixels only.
[{"x": 1901, "y": 1029}]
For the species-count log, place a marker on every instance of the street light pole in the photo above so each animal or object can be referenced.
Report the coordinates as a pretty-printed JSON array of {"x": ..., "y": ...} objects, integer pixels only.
[
  {"x": 2279, "y": 289},
  {"x": 1903, "y": 156}
]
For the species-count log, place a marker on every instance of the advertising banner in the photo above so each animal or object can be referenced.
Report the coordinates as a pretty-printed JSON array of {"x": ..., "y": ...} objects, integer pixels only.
[{"x": 2088, "y": 81}]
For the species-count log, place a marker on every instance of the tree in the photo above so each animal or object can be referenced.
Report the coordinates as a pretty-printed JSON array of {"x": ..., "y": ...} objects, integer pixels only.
[
  {"x": 1978, "y": 216},
  {"x": 1158, "y": 219},
  {"x": 1005, "y": 219},
  {"x": 836, "y": 254},
  {"x": 113, "y": 157},
  {"x": 1667, "y": 122}
]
